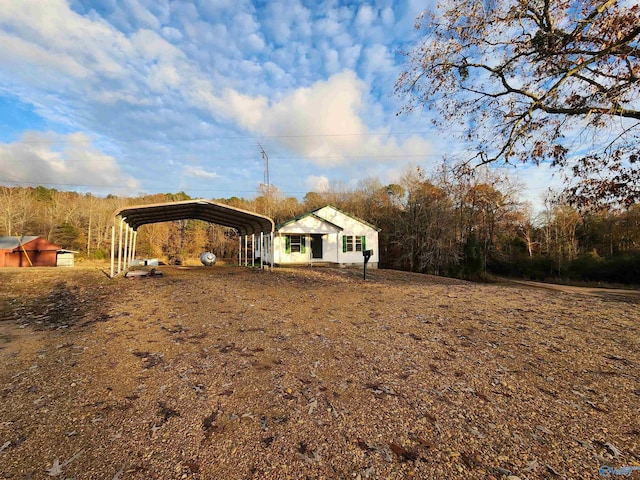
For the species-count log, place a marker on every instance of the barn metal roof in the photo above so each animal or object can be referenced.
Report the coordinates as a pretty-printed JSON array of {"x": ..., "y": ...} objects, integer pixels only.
[
  {"x": 244, "y": 221},
  {"x": 9, "y": 243}
]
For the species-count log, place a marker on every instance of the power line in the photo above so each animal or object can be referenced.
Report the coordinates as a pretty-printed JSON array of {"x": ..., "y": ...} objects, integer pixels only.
[
  {"x": 281, "y": 157},
  {"x": 214, "y": 138}
]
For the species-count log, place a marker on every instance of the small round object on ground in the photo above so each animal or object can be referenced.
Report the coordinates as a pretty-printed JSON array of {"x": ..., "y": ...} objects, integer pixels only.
[{"x": 208, "y": 259}]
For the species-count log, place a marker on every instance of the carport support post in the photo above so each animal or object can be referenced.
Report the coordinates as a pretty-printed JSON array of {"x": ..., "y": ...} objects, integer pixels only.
[
  {"x": 133, "y": 244},
  {"x": 262, "y": 250},
  {"x": 129, "y": 247},
  {"x": 240, "y": 251},
  {"x": 253, "y": 249},
  {"x": 246, "y": 250},
  {"x": 125, "y": 252},
  {"x": 120, "y": 245},
  {"x": 273, "y": 250},
  {"x": 113, "y": 247}
]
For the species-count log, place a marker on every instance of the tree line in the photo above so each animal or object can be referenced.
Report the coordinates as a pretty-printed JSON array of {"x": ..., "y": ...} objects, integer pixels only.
[{"x": 467, "y": 225}]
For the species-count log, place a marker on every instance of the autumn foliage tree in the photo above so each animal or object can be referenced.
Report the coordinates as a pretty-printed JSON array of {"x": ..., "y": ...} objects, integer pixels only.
[{"x": 536, "y": 81}]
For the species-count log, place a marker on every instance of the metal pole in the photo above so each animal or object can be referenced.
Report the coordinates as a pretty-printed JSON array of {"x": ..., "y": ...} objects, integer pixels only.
[
  {"x": 129, "y": 241},
  {"x": 246, "y": 251},
  {"x": 272, "y": 250},
  {"x": 135, "y": 243},
  {"x": 240, "y": 250},
  {"x": 120, "y": 244},
  {"x": 125, "y": 249},
  {"x": 133, "y": 246},
  {"x": 113, "y": 247},
  {"x": 253, "y": 249},
  {"x": 262, "y": 250}
]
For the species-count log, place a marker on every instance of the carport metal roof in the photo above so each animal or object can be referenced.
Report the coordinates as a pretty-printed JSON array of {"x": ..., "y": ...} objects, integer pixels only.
[{"x": 245, "y": 222}]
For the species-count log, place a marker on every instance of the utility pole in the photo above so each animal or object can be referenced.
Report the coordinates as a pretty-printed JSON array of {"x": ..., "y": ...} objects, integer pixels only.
[{"x": 265, "y": 157}]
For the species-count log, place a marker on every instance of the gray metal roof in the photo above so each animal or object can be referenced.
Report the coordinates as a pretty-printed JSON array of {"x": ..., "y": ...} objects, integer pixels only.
[
  {"x": 244, "y": 221},
  {"x": 9, "y": 243}
]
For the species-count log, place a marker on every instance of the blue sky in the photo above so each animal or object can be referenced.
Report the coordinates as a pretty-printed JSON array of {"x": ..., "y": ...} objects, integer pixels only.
[{"x": 148, "y": 96}]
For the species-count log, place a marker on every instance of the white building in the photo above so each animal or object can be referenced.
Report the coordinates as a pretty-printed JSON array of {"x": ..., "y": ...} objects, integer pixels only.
[{"x": 327, "y": 235}]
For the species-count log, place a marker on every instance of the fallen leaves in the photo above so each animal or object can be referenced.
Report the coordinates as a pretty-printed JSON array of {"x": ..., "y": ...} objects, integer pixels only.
[
  {"x": 209, "y": 423},
  {"x": 57, "y": 467},
  {"x": 380, "y": 389},
  {"x": 403, "y": 454},
  {"x": 149, "y": 359},
  {"x": 359, "y": 381}
]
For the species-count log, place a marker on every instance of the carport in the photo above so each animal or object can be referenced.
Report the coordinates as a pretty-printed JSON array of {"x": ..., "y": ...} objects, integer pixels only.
[{"x": 248, "y": 225}]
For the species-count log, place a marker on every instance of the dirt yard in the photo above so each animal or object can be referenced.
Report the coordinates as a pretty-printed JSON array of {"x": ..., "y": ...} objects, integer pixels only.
[{"x": 233, "y": 373}]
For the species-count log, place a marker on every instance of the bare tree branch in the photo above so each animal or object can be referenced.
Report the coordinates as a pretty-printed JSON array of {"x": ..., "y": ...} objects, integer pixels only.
[{"x": 514, "y": 72}]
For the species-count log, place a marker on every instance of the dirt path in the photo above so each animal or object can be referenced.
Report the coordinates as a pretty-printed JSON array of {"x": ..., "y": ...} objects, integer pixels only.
[{"x": 613, "y": 293}]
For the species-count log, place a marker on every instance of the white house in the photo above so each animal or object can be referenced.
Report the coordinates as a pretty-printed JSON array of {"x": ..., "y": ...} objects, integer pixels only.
[{"x": 327, "y": 235}]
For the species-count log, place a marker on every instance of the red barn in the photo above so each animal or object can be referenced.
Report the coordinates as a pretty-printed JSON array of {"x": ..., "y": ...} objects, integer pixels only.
[{"x": 27, "y": 251}]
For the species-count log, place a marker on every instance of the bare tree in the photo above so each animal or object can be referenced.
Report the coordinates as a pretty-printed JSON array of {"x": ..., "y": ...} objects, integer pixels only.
[
  {"x": 427, "y": 231},
  {"x": 15, "y": 210},
  {"x": 534, "y": 81}
]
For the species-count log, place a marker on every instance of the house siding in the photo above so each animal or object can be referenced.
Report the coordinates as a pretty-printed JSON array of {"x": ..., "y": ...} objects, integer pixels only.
[
  {"x": 351, "y": 227},
  {"x": 333, "y": 225}
]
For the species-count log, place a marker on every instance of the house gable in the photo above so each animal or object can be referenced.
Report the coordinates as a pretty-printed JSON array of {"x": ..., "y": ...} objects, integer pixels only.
[
  {"x": 326, "y": 235},
  {"x": 346, "y": 221},
  {"x": 308, "y": 223}
]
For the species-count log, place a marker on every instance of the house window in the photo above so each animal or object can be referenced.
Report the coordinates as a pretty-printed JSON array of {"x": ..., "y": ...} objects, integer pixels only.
[
  {"x": 294, "y": 244},
  {"x": 348, "y": 243},
  {"x": 354, "y": 243},
  {"x": 358, "y": 244}
]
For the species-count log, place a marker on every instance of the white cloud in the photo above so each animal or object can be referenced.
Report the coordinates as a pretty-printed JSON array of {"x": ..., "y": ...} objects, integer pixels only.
[
  {"x": 378, "y": 62},
  {"x": 152, "y": 47},
  {"x": 152, "y": 71},
  {"x": 53, "y": 159},
  {"x": 328, "y": 26},
  {"x": 317, "y": 183},
  {"x": 172, "y": 34},
  {"x": 323, "y": 123},
  {"x": 388, "y": 17},
  {"x": 50, "y": 32},
  {"x": 246, "y": 111},
  {"x": 538, "y": 180},
  {"x": 162, "y": 77},
  {"x": 199, "y": 172},
  {"x": 366, "y": 16},
  {"x": 142, "y": 15},
  {"x": 20, "y": 56},
  {"x": 350, "y": 56},
  {"x": 331, "y": 61}
]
